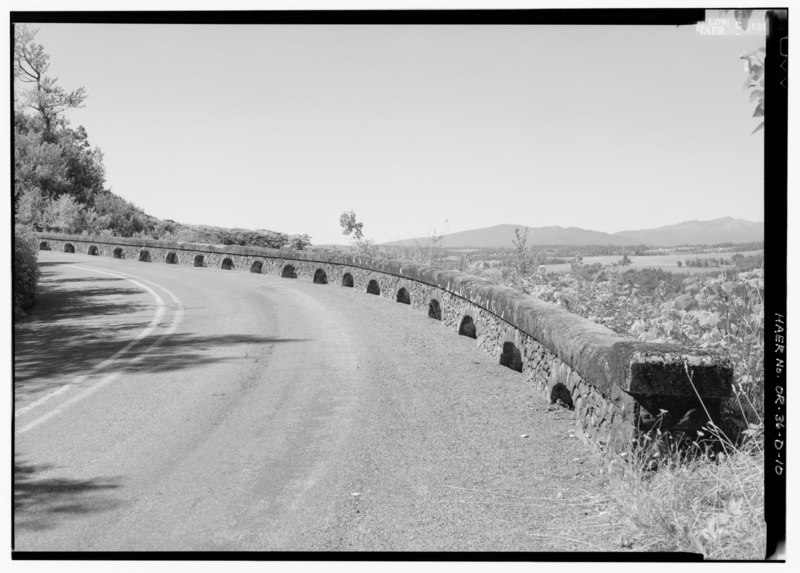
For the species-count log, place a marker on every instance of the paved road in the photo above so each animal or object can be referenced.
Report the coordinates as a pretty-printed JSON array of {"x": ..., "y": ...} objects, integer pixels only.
[{"x": 172, "y": 408}]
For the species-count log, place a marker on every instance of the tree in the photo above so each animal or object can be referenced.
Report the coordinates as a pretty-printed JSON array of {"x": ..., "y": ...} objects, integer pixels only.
[
  {"x": 65, "y": 214},
  {"x": 522, "y": 257},
  {"x": 45, "y": 96},
  {"x": 435, "y": 252},
  {"x": 31, "y": 205},
  {"x": 299, "y": 242},
  {"x": 84, "y": 164},
  {"x": 350, "y": 226},
  {"x": 66, "y": 163},
  {"x": 51, "y": 159},
  {"x": 38, "y": 165},
  {"x": 124, "y": 218}
]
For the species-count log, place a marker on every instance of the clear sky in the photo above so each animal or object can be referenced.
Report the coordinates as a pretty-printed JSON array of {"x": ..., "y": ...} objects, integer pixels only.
[{"x": 285, "y": 127}]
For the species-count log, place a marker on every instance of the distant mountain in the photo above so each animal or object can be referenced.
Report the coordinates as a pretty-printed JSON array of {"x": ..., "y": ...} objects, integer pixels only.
[
  {"x": 502, "y": 236},
  {"x": 724, "y": 230}
]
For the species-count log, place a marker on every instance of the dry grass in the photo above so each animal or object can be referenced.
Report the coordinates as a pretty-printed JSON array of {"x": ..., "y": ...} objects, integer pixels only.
[{"x": 708, "y": 500}]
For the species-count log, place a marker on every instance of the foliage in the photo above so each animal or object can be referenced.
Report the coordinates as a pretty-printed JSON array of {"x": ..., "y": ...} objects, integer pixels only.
[
  {"x": 84, "y": 163},
  {"x": 748, "y": 263},
  {"x": 38, "y": 165},
  {"x": 354, "y": 229},
  {"x": 589, "y": 272},
  {"x": 722, "y": 312},
  {"x": 350, "y": 226},
  {"x": 367, "y": 248},
  {"x": 698, "y": 501},
  {"x": 119, "y": 215},
  {"x": 525, "y": 260},
  {"x": 522, "y": 257},
  {"x": 299, "y": 242},
  {"x": 64, "y": 214},
  {"x": 220, "y": 235},
  {"x": 754, "y": 66},
  {"x": 26, "y": 269},
  {"x": 710, "y": 501},
  {"x": 754, "y": 62},
  {"x": 31, "y": 206},
  {"x": 435, "y": 252},
  {"x": 57, "y": 173},
  {"x": 48, "y": 100},
  {"x": 650, "y": 282}
]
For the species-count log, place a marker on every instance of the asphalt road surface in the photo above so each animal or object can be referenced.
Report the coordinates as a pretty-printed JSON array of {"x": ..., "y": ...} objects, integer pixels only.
[{"x": 167, "y": 408}]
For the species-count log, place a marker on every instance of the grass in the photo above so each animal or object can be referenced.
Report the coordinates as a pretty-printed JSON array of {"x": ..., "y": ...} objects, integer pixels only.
[
  {"x": 711, "y": 504},
  {"x": 705, "y": 497}
]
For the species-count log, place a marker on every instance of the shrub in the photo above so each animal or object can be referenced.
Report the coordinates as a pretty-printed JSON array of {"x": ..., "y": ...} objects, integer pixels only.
[
  {"x": 299, "y": 242},
  {"x": 26, "y": 270},
  {"x": 588, "y": 272},
  {"x": 650, "y": 281}
]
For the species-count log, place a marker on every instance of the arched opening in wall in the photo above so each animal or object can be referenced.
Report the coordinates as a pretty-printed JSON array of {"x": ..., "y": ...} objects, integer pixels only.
[
  {"x": 256, "y": 267},
  {"x": 403, "y": 296},
  {"x": 43, "y": 246},
  {"x": 69, "y": 248},
  {"x": 144, "y": 256},
  {"x": 227, "y": 264},
  {"x": 118, "y": 253},
  {"x": 434, "y": 310},
  {"x": 320, "y": 277},
  {"x": 198, "y": 261},
  {"x": 511, "y": 357},
  {"x": 347, "y": 280},
  {"x": 93, "y": 250},
  {"x": 172, "y": 259},
  {"x": 289, "y": 272},
  {"x": 373, "y": 288},
  {"x": 467, "y": 327}
]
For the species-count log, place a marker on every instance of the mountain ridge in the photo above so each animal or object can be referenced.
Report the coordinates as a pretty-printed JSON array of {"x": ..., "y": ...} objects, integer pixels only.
[{"x": 713, "y": 231}]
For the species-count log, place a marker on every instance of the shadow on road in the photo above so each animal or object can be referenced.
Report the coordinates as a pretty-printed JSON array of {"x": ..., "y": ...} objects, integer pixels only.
[
  {"x": 41, "y": 502},
  {"x": 64, "y": 298},
  {"x": 78, "y": 323}
]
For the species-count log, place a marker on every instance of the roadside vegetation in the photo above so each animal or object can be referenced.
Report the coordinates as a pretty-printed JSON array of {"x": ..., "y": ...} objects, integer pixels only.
[
  {"x": 709, "y": 499},
  {"x": 26, "y": 269},
  {"x": 708, "y": 496}
]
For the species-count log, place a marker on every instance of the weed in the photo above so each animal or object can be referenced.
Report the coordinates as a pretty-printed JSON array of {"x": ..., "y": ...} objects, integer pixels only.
[{"x": 704, "y": 496}]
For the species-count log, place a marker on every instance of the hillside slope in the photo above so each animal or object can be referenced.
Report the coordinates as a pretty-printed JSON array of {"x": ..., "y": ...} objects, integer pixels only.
[
  {"x": 724, "y": 230},
  {"x": 502, "y": 236}
]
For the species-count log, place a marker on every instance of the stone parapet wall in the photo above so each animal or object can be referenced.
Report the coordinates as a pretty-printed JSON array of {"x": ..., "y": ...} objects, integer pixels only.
[{"x": 619, "y": 387}]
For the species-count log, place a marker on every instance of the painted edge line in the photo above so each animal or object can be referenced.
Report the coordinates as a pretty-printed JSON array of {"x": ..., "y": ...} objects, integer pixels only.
[{"x": 154, "y": 322}]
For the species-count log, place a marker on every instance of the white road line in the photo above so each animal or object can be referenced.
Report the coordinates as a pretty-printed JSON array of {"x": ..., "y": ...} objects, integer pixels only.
[
  {"x": 159, "y": 314},
  {"x": 177, "y": 317}
]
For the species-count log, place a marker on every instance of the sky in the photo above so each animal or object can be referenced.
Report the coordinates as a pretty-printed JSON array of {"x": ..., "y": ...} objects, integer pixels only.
[{"x": 417, "y": 128}]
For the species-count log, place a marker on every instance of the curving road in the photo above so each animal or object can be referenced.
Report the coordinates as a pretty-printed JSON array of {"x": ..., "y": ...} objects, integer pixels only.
[{"x": 160, "y": 407}]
